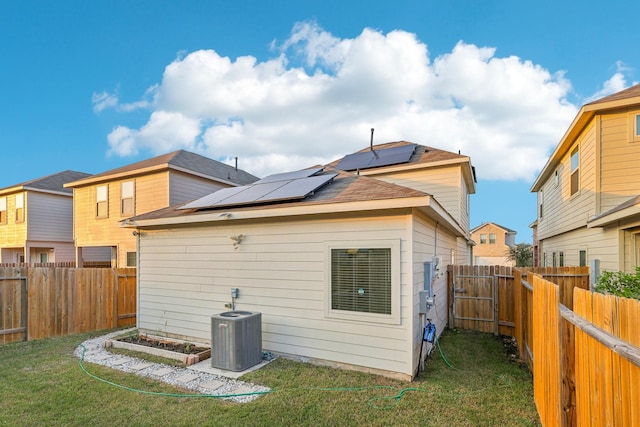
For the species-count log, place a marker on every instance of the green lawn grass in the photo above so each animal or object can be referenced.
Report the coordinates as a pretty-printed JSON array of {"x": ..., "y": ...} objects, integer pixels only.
[{"x": 41, "y": 383}]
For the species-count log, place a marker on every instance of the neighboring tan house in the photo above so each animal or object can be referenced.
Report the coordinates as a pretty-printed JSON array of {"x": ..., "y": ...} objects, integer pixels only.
[
  {"x": 334, "y": 261},
  {"x": 36, "y": 220},
  {"x": 493, "y": 243},
  {"x": 589, "y": 190},
  {"x": 102, "y": 201}
]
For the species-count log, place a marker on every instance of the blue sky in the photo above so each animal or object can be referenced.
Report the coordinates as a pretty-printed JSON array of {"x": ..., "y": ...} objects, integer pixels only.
[{"x": 91, "y": 86}]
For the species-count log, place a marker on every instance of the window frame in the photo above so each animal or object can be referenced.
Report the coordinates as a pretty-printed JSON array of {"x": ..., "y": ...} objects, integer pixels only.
[
  {"x": 4, "y": 205},
  {"x": 634, "y": 126},
  {"x": 582, "y": 257},
  {"x": 574, "y": 172},
  {"x": 131, "y": 256},
  {"x": 483, "y": 239},
  {"x": 99, "y": 201},
  {"x": 19, "y": 208},
  {"x": 395, "y": 277},
  {"x": 131, "y": 197},
  {"x": 492, "y": 238}
]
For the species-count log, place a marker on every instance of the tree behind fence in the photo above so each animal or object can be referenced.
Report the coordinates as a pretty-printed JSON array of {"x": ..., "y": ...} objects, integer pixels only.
[{"x": 40, "y": 302}]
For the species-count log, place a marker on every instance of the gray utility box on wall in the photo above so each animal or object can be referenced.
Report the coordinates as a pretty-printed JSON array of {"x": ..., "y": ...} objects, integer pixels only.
[{"x": 236, "y": 340}]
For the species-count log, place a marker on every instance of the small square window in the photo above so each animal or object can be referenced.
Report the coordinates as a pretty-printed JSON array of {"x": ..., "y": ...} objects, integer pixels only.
[
  {"x": 637, "y": 125},
  {"x": 492, "y": 239},
  {"x": 131, "y": 259},
  {"x": 583, "y": 258},
  {"x": 483, "y": 239}
]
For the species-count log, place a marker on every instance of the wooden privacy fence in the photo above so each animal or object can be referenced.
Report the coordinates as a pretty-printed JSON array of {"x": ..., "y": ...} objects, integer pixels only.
[
  {"x": 586, "y": 361},
  {"x": 485, "y": 297},
  {"x": 45, "y": 302}
]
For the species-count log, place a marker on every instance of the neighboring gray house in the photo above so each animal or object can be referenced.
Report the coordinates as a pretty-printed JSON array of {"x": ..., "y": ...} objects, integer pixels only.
[{"x": 36, "y": 220}]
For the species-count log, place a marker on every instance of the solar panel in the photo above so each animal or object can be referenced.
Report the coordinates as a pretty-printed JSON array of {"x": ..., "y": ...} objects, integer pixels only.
[
  {"x": 304, "y": 173},
  {"x": 213, "y": 198},
  {"x": 262, "y": 192},
  {"x": 298, "y": 188},
  {"x": 377, "y": 158}
]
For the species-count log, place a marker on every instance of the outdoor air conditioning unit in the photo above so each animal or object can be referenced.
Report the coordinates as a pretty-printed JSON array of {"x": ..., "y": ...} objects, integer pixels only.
[{"x": 236, "y": 340}]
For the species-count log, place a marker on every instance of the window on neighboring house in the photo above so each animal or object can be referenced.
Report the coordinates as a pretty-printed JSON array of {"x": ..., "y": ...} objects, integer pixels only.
[
  {"x": 544, "y": 259},
  {"x": 540, "y": 203},
  {"x": 556, "y": 178},
  {"x": 364, "y": 280},
  {"x": 20, "y": 207},
  {"x": 583, "y": 258},
  {"x": 131, "y": 259},
  {"x": 127, "y": 201},
  {"x": 102, "y": 201},
  {"x": 3, "y": 210},
  {"x": 553, "y": 260},
  {"x": 575, "y": 170},
  {"x": 637, "y": 133},
  {"x": 483, "y": 239},
  {"x": 44, "y": 257},
  {"x": 561, "y": 258},
  {"x": 492, "y": 239}
]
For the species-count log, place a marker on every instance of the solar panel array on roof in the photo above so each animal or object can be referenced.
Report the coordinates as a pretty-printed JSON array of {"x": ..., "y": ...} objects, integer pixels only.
[
  {"x": 377, "y": 158},
  {"x": 304, "y": 173},
  {"x": 287, "y": 186}
]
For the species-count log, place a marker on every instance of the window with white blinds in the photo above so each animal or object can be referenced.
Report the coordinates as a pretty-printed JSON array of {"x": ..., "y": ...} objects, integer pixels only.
[{"x": 361, "y": 280}]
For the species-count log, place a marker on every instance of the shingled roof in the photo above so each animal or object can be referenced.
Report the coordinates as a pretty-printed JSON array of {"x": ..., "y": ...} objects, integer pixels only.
[
  {"x": 49, "y": 183},
  {"x": 182, "y": 160},
  {"x": 632, "y": 92},
  {"x": 344, "y": 188},
  {"x": 422, "y": 154}
]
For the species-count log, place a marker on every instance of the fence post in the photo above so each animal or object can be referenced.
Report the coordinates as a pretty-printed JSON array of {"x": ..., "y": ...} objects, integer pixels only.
[{"x": 567, "y": 367}]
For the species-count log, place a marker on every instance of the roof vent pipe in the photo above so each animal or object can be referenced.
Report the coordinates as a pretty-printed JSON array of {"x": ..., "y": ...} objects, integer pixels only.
[
  {"x": 236, "y": 162},
  {"x": 371, "y": 145}
]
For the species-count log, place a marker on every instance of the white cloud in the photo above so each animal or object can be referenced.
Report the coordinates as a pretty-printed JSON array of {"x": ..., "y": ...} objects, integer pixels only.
[
  {"x": 616, "y": 83},
  {"x": 103, "y": 100},
  {"x": 276, "y": 116}
]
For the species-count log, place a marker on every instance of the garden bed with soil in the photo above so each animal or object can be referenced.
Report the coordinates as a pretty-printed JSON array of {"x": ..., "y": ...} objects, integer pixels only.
[{"x": 183, "y": 351}]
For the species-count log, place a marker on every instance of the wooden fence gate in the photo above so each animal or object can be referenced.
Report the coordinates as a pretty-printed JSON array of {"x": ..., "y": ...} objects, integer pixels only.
[{"x": 478, "y": 297}]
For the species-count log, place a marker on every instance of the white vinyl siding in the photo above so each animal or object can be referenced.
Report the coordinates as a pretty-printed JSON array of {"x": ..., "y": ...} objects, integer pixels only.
[
  {"x": 562, "y": 212},
  {"x": 50, "y": 217},
  {"x": 596, "y": 241},
  {"x": 185, "y": 187},
  {"x": 280, "y": 269},
  {"x": 445, "y": 184}
]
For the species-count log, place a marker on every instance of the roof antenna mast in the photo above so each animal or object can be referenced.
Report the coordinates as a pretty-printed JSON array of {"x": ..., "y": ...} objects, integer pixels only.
[{"x": 371, "y": 144}]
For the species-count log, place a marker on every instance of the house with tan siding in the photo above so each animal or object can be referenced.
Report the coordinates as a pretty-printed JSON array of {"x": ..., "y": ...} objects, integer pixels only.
[
  {"x": 589, "y": 190},
  {"x": 36, "y": 220},
  {"x": 336, "y": 269},
  {"x": 493, "y": 243},
  {"x": 102, "y": 201}
]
